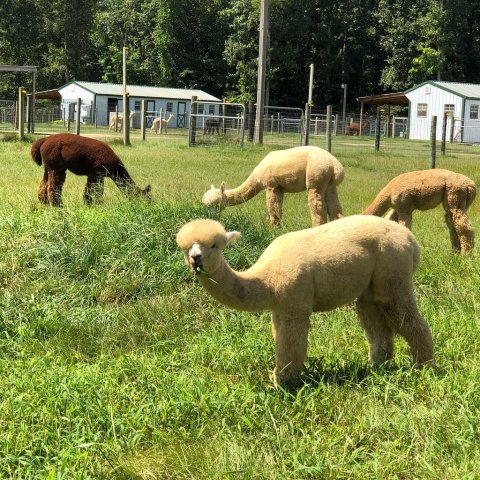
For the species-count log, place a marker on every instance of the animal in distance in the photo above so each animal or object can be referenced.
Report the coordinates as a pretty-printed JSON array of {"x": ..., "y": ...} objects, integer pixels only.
[
  {"x": 425, "y": 189},
  {"x": 82, "y": 156},
  {"x": 161, "y": 124},
  {"x": 289, "y": 171},
  {"x": 369, "y": 259},
  {"x": 119, "y": 118}
]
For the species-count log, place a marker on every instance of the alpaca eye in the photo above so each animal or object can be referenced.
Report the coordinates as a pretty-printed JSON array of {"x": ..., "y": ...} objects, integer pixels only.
[{"x": 214, "y": 246}]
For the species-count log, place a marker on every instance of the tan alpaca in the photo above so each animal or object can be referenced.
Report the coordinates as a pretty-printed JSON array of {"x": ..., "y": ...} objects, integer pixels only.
[
  {"x": 119, "y": 121},
  {"x": 315, "y": 270},
  {"x": 289, "y": 171},
  {"x": 425, "y": 189},
  {"x": 161, "y": 124}
]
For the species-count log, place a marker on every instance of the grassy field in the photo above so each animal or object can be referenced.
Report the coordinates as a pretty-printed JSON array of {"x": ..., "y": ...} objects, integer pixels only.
[{"x": 115, "y": 364}]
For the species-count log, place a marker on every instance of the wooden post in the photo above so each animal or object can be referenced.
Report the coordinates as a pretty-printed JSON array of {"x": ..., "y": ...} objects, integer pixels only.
[
  {"x": 262, "y": 60},
  {"x": 224, "y": 114},
  {"x": 126, "y": 99},
  {"x": 193, "y": 121},
  {"x": 452, "y": 126},
  {"x": 433, "y": 141},
  {"x": 32, "y": 106},
  {"x": 361, "y": 120},
  {"x": 329, "y": 128},
  {"x": 337, "y": 119},
  {"x": 444, "y": 132},
  {"x": 126, "y": 119},
  {"x": 21, "y": 113},
  {"x": 116, "y": 118},
  {"x": 79, "y": 106},
  {"x": 387, "y": 130},
  {"x": 142, "y": 120},
  {"x": 393, "y": 126},
  {"x": 377, "y": 131},
  {"x": 251, "y": 121}
]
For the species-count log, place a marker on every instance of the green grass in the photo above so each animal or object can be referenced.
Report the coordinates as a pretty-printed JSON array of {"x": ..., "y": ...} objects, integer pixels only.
[{"x": 115, "y": 364}]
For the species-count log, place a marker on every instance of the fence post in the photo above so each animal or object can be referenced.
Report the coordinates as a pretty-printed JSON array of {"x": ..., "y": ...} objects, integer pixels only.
[
  {"x": 329, "y": 128},
  {"x": 452, "y": 127},
  {"x": 142, "y": 120},
  {"x": 251, "y": 120},
  {"x": 377, "y": 130},
  {"x": 77, "y": 119},
  {"x": 307, "y": 124},
  {"x": 444, "y": 132},
  {"x": 337, "y": 119},
  {"x": 21, "y": 113},
  {"x": 126, "y": 118},
  {"x": 193, "y": 121},
  {"x": 433, "y": 141}
]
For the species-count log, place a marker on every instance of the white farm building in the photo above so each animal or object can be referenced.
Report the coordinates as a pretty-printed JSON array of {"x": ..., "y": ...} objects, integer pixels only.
[
  {"x": 100, "y": 100},
  {"x": 460, "y": 100}
]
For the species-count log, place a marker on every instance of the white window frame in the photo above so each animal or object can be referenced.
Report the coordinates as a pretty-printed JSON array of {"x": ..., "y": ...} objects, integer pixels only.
[
  {"x": 422, "y": 109},
  {"x": 449, "y": 108},
  {"x": 473, "y": 111}
]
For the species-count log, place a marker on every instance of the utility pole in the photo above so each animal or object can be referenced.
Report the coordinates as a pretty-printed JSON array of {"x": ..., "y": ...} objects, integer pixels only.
[{"x": 262, "y": 60}]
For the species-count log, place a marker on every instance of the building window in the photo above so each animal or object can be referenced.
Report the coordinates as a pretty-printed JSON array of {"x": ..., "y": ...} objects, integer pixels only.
[
  {"x": 421, "y": 110},
  {"x": 449, "y": 108},
  {"x": 211, "y": 109},
  {"x": 473, "y": 112},
  {"x": 138, "y": 105},
  {"x": 169, "y": 107},
  {"x": 200, "y": 108}
]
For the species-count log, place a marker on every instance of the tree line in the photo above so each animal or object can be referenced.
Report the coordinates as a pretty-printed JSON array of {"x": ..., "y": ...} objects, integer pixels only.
[{"x": 373, "y": 46}]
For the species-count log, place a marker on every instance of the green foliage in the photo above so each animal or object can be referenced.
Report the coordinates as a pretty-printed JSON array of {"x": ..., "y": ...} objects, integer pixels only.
[{"x": 115, "y": 364}]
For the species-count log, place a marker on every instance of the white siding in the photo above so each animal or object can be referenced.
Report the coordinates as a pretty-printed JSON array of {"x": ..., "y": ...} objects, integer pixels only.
[
  {"x": 471, "y": 131},
  {"x": 436, "y": 99}
]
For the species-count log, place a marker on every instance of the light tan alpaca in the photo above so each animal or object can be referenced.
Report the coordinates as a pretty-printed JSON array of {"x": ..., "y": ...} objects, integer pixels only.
[
  {"x": 315, "y": 270},
  {"x": 161, "y": 124},
  {"x": 119, "y": 121},
  {"x": 425, "y": 189},
  {"x": 289, "y": 171}
]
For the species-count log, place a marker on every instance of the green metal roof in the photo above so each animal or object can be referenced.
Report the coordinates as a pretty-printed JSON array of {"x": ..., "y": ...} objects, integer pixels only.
[
  {"x": 464, "y": 90},
  {"x": 116, "y": 90}
]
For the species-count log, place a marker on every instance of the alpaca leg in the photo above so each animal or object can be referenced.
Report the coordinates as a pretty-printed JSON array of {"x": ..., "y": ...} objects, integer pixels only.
[
  {"x": 55, "y": 185},
  {"x": 318, "y": 209},
  {"x": 94, "y": 188},
  {"x": 43, "y": 188},
  {"x": 392, "y": 215},
  {"x": 290, "y": 333},
  {"x": 379, "y": 333},
  {"x": 274, "y": 205},
  {"x": 406, "y": 320},
  {"x": 405, "y": 219},
  {"x": 334, "y": 208},
  {"x": 459, "y": 226}
]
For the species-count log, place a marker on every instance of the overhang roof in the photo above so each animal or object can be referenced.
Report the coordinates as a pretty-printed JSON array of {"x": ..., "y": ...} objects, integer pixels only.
[
  {"x": 398, "y": 98},
  {"x": 116, "y": 90},
  {"x": 47, "y": 95}
]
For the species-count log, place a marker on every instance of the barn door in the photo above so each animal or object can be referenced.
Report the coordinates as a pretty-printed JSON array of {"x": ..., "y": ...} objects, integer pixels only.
[{"x": 181, "y": 114}]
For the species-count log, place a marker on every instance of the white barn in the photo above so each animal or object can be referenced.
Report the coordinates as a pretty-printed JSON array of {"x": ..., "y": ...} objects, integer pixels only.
[
  {"x": 103, "y": 98},
  {"x": 431, "y": 98}
]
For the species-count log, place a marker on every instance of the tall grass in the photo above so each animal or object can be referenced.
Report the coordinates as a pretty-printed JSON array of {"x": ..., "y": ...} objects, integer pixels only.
[{"x": 115, "y": 364}]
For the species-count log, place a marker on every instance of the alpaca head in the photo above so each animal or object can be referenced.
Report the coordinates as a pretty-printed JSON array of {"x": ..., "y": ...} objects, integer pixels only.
[
  {"x": 215, "y": 197},
  {"x": 202, "y": 242}
]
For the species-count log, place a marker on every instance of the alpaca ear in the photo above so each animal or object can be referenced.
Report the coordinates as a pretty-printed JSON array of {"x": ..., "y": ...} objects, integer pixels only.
[
  {"x": 212, "y": 187},
  {"x": 222, "y": 188},
  {"x": 232, "y": 237}
]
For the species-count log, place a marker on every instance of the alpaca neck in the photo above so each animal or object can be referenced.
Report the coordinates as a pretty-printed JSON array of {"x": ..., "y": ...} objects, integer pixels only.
[
  {"x": 247, "y": 190},
  {"x": 237, "y": 289},
  {"x": 124, "y": 181}
]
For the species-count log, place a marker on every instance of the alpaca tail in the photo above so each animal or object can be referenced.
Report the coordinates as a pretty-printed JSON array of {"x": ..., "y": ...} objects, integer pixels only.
[
  {"x": 35, "y": 151},
  {"x": 338, "y": 173},
  {"x": 381, "y": 203},
  {"x": 471, "y": 194}
]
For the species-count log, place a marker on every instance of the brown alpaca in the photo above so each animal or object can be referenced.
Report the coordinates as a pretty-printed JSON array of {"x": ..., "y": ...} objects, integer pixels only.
[
  {"x": 425, "y": 189},
  {"x": 354, "y": 127},
  {"x": 317, "y": 270},
  {"x": 212, "y": 125},
  {"x": 82, "y": 156}
]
